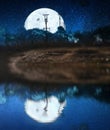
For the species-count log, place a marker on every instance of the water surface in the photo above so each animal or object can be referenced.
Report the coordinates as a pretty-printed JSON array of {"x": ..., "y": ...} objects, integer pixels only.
[{"x": 79, "y": 107}]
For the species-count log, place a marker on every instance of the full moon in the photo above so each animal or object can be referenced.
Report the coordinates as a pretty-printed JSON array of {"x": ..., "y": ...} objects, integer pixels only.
[{"x": 44, "y": 19}]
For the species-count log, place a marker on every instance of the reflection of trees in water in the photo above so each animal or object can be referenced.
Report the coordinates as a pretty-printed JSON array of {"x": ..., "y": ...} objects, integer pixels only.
[
  {"x": 46, "y": 99},
  {"x": 2, "y": 95},
  {"x": 100, "y": 93}
]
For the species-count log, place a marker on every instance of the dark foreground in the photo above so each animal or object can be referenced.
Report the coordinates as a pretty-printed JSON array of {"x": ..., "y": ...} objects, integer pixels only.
[{"x": 63, "y": 65}]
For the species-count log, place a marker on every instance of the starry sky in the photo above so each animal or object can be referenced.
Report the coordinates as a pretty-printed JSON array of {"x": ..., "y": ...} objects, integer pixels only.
[{"x": 79, "y": 15}]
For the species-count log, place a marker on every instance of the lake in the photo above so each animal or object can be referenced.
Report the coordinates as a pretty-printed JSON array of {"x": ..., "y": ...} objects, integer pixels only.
[{"x": 54, "y": 107}]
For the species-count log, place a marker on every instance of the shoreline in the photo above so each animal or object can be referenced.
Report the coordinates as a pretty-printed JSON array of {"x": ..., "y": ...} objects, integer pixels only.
[{"x": 63, "y": 65}]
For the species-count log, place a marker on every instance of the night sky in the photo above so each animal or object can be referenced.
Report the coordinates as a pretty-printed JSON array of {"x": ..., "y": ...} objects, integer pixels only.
[{"x": 79, "y": 15}]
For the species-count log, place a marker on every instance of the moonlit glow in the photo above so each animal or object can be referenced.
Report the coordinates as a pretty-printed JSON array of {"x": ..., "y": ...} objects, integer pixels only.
[
  {"x": 36, "y": 20},
  {"x": 35, "y": 109}
]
